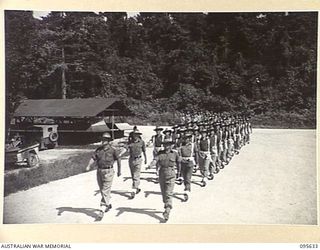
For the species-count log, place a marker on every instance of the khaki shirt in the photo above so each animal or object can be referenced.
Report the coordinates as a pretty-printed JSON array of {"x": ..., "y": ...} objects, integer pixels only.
[
  {"x": 136, "y": 148},
  {"x": 204, "y": 144},
  {"x": 105, "y": 156},
  {"x": 213, "y": 141},
  {"x": 186, "y": 150},
  {"x": 157, "y": 140},
  {"x": 167, "y": 160}
]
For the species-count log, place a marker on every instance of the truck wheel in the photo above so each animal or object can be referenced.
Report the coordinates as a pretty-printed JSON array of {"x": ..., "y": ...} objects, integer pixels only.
[
  {"x": 33, "y": 160},
  {"x": 53, "y": 136}
]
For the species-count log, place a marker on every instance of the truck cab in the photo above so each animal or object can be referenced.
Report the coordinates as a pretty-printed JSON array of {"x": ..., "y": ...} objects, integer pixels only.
[
  {"x": 49, "y": 138},
  {"x": 44, "y": 134}
]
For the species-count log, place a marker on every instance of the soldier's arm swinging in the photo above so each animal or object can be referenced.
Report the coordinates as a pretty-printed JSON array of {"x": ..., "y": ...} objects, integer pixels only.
[
  {"x": 195, "y": 152},
  {"x": 178, "y": 156},
  {"x": 119, "y": 167},
  {"x": 178, "y": 161},
  {"x": 157, "y": 165},
  {"x": 151, "y": 141},
  {"x": 145, "y": 157},
  {"x": 144, "y": 153},
  {"x": 89, "y": 164}
]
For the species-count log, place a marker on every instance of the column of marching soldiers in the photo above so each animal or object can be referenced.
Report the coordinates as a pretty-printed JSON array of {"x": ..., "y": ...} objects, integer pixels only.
[{"x": 203, "y": 141}]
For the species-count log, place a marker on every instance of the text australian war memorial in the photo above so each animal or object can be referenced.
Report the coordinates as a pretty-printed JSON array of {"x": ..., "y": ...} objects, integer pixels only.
[{"x": 167, "y": 109}]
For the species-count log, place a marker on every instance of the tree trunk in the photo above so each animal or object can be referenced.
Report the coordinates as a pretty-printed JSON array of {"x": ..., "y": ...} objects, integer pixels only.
[{"x": 63, "y": 83}]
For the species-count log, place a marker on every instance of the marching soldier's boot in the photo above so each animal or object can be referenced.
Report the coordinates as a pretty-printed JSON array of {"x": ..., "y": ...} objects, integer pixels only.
[
  {"x": 166, "y": 213},
  {"x": 195, "y": 169},
  {"x": 179, "y": 178},
  {"x": 100, "y": 215},
  {"x": 203, "y": 182},
  {"x": 221, "y": 166},
  {"x": 108, "y": 208},
  {"x": 133, "y": 194},
  {"x": 216, "y": 168},
  {"x": 211, "y": 171},
  {"x": 186, "y": 195}
]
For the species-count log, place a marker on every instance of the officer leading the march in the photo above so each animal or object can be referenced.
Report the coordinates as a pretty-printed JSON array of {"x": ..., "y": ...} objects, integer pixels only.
[{"x": 105, "y": 156}]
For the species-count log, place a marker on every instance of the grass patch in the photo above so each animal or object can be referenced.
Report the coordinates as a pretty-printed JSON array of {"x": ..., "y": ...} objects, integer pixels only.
[{"x": 25, "y": 178}]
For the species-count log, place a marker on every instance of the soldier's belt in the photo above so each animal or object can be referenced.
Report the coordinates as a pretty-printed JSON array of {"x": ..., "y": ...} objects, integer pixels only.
[
  {"x": 136, "y": 157},
  {"x": 107, "y": 167},
  {"x": 187, "y": 158},
  {"x": 204, "y": 154},
  {"x": 167, "y": 167}
]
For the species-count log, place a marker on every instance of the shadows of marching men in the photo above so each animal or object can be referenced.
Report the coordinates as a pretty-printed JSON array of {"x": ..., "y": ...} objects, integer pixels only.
[{"x": 147, "y": 211}]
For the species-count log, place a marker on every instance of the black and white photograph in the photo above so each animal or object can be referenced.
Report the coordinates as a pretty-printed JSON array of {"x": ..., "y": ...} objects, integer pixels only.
[{"x": 160, "y": 117}]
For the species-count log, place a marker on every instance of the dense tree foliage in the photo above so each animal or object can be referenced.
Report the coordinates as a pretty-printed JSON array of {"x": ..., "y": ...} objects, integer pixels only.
[{"x": 262, "y": 62}]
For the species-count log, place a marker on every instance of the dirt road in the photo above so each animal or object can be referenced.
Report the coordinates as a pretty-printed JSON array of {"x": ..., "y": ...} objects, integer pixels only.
[{"x": 272, "y": 181}]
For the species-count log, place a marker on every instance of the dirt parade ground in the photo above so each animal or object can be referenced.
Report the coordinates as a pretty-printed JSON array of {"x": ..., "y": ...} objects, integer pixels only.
[{"x": 272, "y": 181}]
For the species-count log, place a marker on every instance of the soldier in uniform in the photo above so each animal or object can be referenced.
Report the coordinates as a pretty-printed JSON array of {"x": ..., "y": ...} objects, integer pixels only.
[
  {"x": 136, "y": 149},
  {"x": 105, "y": 156},
  {"x": 167, "y": 134},
  {"x": 188, "y": 153},
  {"x": 204, "y": 156},
  {"x": 166, "y": 162},
  {"x": 130, "y": 137},
  {"x": 242, "y": 141},
  {"x": 181, "y": 133},
  {"x": 224, "y": 144},
  {"x": 230, "y": 144},
  {"x": 214, "y": 151},
  {"x": 180, "y": 140},
  {"x": 197, "y": 136},
  {"x": 237, "y": 145},
  {"x": 156, "y": 140},
  {"x": 195, "y": 139},
  {"x": 175, "y": 135},
  {"x": 248, "y": 130}
]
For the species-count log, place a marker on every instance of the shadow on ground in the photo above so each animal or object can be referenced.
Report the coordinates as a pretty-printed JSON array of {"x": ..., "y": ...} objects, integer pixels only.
[
  {"x": 123, "y": 193},
  {"x": 91, "y": 212},
  {"x": 178, "y": 196},
  {"x": 126, "y": 194},
  {"x": 146, "y": 211},
  {"x": 148, "y": 179}
]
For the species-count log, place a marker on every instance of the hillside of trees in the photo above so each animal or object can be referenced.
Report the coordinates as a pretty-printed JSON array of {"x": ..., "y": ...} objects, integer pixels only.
[{"x": 165, "y": 63}]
